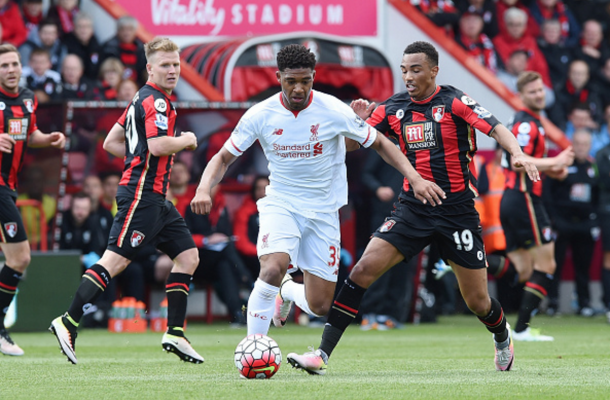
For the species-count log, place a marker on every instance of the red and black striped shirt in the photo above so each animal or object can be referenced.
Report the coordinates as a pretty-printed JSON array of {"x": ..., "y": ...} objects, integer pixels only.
[
  {"x": 527, "y": 128},
  {"x": 18, "y": 119},
  {"x": 150, "y": 115},
  {"x": 438, "y": 137}
]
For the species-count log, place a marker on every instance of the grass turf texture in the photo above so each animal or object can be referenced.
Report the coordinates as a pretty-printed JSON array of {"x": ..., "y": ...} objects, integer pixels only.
[{"x": 452, "y": 359}]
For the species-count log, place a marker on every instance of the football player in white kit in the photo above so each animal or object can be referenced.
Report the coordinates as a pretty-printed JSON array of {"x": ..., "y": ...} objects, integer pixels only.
[{"x": 302, "y": 134}]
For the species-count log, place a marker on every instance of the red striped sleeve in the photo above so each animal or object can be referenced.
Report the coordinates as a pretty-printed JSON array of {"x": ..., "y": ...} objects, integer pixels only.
[{"x": 453, "y": 164}]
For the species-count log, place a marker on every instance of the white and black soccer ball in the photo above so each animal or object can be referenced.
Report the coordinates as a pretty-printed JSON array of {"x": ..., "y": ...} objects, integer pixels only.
[{"x": 258, "y": 357}]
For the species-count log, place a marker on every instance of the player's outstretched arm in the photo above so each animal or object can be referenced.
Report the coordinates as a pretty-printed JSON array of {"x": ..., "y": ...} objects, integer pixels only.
[
  {"x": 424, "y": 190},
  {"x": 168, "y": 145},
  {"x": 519, "y": 160},
  {"x": 212, "y": 175},
  {"x": 54, "y": 139},
  {"x": 115, "y": 141}
]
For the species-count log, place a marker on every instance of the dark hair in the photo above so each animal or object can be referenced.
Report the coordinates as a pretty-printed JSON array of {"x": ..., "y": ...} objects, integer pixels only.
[
  {"x": 39, "y": 51},
  {"x": 80, "y": 195},
  {"x": 107, "y": 174},
  {"x": 426, "y": 48},
  {"x": 580, "y": 105},
  {"x": 255, "y": 181},
  {"x": 48, "y": 22},
  {"x": 295, "y": 56}
]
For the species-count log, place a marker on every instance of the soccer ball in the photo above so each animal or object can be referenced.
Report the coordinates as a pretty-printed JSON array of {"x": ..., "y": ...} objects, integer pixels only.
[{"x": 258, "y": 357}]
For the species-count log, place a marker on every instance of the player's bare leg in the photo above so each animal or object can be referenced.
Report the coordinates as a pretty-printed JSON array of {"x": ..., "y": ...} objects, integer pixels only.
[
  {"x": 177, "y": 290},
  {"x": 535, "y": 290},
  {"x": 378, "y": 257},
  {"x": 94, "y": 282},
  {"x": 17, "y": 257},
  {"x": 261, "y": 303},
  {"x": 314, "y": 296},
  {"x": 473, "y": 286}
]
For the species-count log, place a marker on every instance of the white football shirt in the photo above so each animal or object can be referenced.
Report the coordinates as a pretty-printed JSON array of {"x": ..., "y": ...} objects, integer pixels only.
[{"x": 305, "y": 149}]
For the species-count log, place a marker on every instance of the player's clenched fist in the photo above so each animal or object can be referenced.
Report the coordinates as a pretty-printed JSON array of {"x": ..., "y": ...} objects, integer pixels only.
[
  {"x": 191, "y": 140},
  {"x": 58, "y": 140},
  {"x": 6, "y": 143},
  {"x": 201, "y": 203}
]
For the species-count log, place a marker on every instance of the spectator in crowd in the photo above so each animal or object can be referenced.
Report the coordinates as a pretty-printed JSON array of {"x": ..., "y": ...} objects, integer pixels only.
[
  {"x": 245, "y": 225},
  {"x": 220, "y": 262},
  {"x": 556, "y": 53},
  {"x": 84, "y": 44},
  {"x": 64, "y": 13},
  {"x": 181, "y": 191},
  {"x": 486, "y": 9},
  {"x": 579, "y": 118},
  {"x": 441, "y": 12},
  {"x": 40, "y": 78},
  {"x": 592, "y": 48},
  {"x": 74, "y": 85},
  {"x": 584, "y": 10},
  {"x": 542, "y": 10},
  {"x": 13, "y": 28},
  {"x": 477, "y": 43},
  {"x": 516, "y": 39},
  {"x": 47, "y": 38},
  {"x": 110, "y": 185},
  {"x": 602, "y": 159},
  {"x": 383, "y": 304},
  {"x": 92, "y": 186},
  {"x": 516, "y": 64},
  {"x": 578, "y": 88},
  {"x": 127, "y": 89},
  {"x": 572, "y": 205},
  {"x": 111, "y": 73},
  {"x": 604, "y": 82},
  {"x": 33, "y": 189},
  {"x": 127, "y": 48},
  {"x": 504, "y": 5},
  {"x": 81, "y": 229},
  {"x": 32, "y": 11},
  {"x": 601, "y": 138}
]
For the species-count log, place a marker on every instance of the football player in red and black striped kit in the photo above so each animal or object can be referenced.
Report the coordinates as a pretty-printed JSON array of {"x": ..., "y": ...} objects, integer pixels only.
[
  {"x": 18, "y": 126},
  {"x": 145, "y": 135},
  {"x": 526, "y": 225},
  {"x": 434, "y": 125}
]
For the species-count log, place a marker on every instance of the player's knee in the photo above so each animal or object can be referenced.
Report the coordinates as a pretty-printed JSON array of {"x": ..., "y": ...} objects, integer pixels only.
[
  {"x": 361, "y": 275},
  {"x": 20, "y": 262},
  {"x": 271, "y": 273},
  {"x": 479, "y": 304},
  {"x": 320, "y": 308}
]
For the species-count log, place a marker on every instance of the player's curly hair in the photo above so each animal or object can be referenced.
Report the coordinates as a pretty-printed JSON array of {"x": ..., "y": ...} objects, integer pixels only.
[
  {"x": 424, "y": 47},
  {"x": 295, "y": 56}
]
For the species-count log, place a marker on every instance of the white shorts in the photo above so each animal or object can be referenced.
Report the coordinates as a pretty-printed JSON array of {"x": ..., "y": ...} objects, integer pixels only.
[{"x": 313, "y": 240}]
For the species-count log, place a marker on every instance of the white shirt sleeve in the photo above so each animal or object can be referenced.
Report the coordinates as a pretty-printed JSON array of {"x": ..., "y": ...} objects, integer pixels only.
[
  {"x": 242, "y": 137},
  {"x": 355, "y": 128}
]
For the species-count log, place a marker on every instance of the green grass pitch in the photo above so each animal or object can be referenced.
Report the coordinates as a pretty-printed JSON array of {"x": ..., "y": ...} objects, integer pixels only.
[{"x": 452, "y": 359}]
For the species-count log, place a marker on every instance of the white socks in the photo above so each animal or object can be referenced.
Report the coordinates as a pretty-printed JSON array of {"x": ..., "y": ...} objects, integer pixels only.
[
  {"x": 293, "y": 291},
  {"x": 261, "y": 305}
]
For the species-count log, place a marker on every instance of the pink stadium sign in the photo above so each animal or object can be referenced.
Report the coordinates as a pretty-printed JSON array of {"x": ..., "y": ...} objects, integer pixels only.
[{"x": 254, "y": 17}]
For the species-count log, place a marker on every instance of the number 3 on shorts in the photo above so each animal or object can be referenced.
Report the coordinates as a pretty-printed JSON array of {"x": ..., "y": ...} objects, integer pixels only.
[
  {"x": 464, "y": 240},
  {"x": 334, "y": 256}
]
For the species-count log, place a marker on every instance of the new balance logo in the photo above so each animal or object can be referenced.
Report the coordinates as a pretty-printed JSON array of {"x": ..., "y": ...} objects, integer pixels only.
[
  {"x": 317, "y": 149},
  {"x": 278, "y": 132}
]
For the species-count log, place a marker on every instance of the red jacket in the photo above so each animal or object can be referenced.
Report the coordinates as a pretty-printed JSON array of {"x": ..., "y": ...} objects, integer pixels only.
[
  {"x": 240, "y": 227},
  {"x": 13, "y": 27},
  {"x": 506, "y": 45}
]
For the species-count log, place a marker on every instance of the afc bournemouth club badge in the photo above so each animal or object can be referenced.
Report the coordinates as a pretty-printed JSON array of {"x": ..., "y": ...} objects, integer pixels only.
[
  {"x": 11, "y": 229},
  {"x": 438, "y": 113},
  {"x": 136, "y": 238},
  {"x": 389, "y": 224}
]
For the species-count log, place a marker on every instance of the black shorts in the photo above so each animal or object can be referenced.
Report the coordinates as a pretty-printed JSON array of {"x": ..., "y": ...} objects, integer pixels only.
[
  {"x": 604, "y": 223},
  {"x": 524, "y": 221},
  {"x": 455, "y": 228},
  {"x": 12, "y": 230},
  {"x": 137, "y": 224}
]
